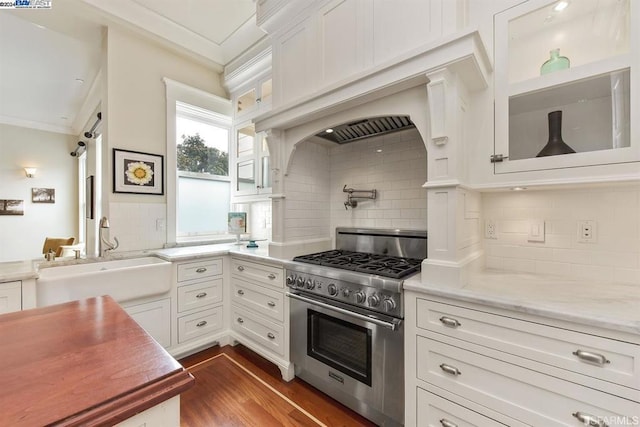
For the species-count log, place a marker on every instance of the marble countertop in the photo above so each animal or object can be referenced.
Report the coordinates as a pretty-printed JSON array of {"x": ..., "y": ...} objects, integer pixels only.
[
  {"x": 18, "y": 270},
  {"x": 608, "y": 305},
  {"x": 184, "y": 253}
]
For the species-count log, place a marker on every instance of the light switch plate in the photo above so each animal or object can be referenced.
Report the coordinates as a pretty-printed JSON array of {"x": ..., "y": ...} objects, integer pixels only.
[{"x": 536, "y": 231}]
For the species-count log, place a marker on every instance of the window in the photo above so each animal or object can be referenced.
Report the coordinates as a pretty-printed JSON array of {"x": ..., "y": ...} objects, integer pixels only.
[
  {"x": 202, "y": 150},
  {"x": 198, "y": 183}
]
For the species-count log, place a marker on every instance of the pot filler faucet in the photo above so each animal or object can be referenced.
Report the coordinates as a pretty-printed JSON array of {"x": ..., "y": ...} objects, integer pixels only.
[
  {"x": 105, "y": 245},
  {"x": 351, "y": 198}
]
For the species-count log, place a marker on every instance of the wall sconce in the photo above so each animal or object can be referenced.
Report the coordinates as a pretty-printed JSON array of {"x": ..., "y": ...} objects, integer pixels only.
[{"x": 30, "y": 172}]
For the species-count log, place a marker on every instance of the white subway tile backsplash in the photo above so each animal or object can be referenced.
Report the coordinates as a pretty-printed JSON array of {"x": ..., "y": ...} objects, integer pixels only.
[
  {"x": 548, "y": 267},
  {"x": 625, "y": 275},
  {"x": 614, "y": 255}
]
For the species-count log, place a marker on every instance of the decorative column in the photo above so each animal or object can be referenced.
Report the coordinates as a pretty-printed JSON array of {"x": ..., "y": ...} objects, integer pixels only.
[
  {"x": 453, "y": 211},
  {"x": 275, "y": 141}
]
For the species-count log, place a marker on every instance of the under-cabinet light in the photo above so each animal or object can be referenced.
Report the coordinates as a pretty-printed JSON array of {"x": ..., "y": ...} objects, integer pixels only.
[
  {"x": 518, "y": 188},
  {"x": 329, "y": 130},
  {"x": 560, "y": 6}
]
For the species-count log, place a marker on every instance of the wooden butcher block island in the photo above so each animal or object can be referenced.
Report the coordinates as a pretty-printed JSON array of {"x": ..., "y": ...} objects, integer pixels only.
[{"x": 85, "y": 363}]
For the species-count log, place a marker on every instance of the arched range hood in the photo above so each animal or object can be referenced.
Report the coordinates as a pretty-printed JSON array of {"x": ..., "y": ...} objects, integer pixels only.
[{"x": 366, "y": 128}]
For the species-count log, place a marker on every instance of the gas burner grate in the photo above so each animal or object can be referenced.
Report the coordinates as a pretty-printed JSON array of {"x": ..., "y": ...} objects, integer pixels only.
[{"x": 363, "y": 262}]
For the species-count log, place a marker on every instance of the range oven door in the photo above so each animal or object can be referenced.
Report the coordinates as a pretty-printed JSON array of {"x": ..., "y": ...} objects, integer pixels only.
[{"x": 353, "y": 356}]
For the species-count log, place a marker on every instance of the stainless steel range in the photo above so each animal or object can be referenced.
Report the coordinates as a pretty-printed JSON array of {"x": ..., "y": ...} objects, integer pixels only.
[{"x": 347, "y": 336}]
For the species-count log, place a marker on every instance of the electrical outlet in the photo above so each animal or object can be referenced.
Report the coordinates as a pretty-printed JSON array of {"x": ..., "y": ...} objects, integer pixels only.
[
  {"x": 587, "y": 231},
  {"x": 490, "y": 229}
]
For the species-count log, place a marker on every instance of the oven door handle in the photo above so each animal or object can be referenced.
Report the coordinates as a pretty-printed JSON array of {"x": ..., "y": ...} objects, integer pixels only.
[{"x": 393, "y": 325}]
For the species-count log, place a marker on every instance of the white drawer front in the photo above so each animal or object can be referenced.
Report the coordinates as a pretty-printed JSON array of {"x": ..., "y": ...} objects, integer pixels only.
[
  {"x": 434, "y": 411},
  {"x": 198, "y": 324},
  {"x": 199, "y": 269},
  {"x": 546, "y": 344},
  {"x": 264, "y": 274},
  {"x": 258, "y": 298},
  {"x": 266, "y": 333},
  {"x": 517, "y": 392},
  {"x": 198, "y": 295}
]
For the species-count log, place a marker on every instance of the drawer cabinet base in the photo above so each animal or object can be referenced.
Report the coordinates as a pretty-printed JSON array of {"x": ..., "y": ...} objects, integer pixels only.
[{"x": 199, "y": 324}]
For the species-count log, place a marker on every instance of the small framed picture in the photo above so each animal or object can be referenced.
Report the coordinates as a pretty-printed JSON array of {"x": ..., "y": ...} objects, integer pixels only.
[
  {"x": 138, "y": 173},
  {"x": 43, "y": 195},
  {"x": 11, "y": 207},
  {"x": 237, "y": 222}
]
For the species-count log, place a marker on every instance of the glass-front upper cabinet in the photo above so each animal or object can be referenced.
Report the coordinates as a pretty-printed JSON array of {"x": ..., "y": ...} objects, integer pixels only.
[
  {"x": 255, "y": 99},
  {"x": 566, "y": 84},
  {"x": 252, "y": 172}
]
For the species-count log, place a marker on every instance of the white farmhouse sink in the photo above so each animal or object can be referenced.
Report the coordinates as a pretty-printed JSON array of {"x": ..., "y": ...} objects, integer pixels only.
[{"x": 124, "y": 280}]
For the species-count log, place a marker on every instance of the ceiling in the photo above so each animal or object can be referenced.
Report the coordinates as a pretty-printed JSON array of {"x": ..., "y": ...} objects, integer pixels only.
[{"x": 50, "y": 58}]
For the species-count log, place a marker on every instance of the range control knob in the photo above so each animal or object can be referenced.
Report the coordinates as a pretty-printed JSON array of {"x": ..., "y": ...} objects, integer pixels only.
[
  {"x": 332, "y": 289},
  {"x": 310, "y": 284},
  {"x": 360, "y": 297},
  {"x": 346, "y": 292},
  {"x": 291, "y": 279},
  {"x": 374, "y": 300},
  {"x": 300, "y": 282},
  {"x": 388, "y": 304}
]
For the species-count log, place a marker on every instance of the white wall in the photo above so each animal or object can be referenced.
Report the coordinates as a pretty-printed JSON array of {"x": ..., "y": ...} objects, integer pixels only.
[
  {"x": 22, "y": 237},
  {"x": 318, "y": 173},
  {"x": 397, "y": 172},
  {"x": 614, "y": 256},
  {"x": 136, "y": 120},
  {"x": 307, "y": 190}
]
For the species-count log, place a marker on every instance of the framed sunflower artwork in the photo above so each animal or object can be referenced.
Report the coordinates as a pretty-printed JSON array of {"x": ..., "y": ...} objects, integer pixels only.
[{"x": 138, "y": 173}]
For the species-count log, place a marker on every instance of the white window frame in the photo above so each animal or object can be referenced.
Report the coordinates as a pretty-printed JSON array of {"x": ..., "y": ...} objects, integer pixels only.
[{"x": 185, "y": 94}]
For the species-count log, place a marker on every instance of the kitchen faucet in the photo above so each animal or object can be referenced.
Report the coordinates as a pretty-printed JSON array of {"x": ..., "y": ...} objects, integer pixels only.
[{"x": 105, "y": 245}]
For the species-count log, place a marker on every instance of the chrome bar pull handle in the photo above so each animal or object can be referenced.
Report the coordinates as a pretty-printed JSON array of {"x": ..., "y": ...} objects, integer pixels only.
[
  {"x": 240, "y": 292},
  {"x": 446, "y": 423},
  {"x": 271, "y": 304},
  {"x": 201, "y": 295},
  {"x": 452, "y": 370},
  {"x": 240, "y": 268},
  {"x": 589, "y": 420},
  {"x": 271, "y": 336},
  {"x": 450, "y": 322},
  {"x": 240, "y": 320},
  {"x": 271, "y": 276},
  {"x": 595, "y": 358},
  {"x": 201, "y": 324},
  {"x": 201, "y": 270}
]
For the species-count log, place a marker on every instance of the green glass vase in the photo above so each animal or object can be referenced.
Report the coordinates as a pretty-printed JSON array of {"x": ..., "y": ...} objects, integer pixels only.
[{"x": 555, "y": 63}]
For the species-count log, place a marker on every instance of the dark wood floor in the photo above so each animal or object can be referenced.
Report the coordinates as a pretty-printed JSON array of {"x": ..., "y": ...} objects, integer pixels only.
[{"x": 225, "y": 395}]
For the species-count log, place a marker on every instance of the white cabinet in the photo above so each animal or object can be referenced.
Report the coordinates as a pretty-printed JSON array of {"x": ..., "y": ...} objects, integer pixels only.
[
  {"x": 164, "y": 414},
  {"x": 155, "y": 318},
  {"x": 320, "y": 45},
  {"x": 251, "y": 162},
  {"x": 10, "y": 296},
  {"x": 253, "y": 98},
  {"x": 514, "y": 368},
  {"x": 597, "y": 95},
  {"x": 260, "y": 311},
  {"x": 198, "y": 309}
]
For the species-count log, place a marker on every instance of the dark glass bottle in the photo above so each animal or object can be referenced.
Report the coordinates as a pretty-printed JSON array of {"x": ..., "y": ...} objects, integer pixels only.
[{"x": 555, "y": 145}]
